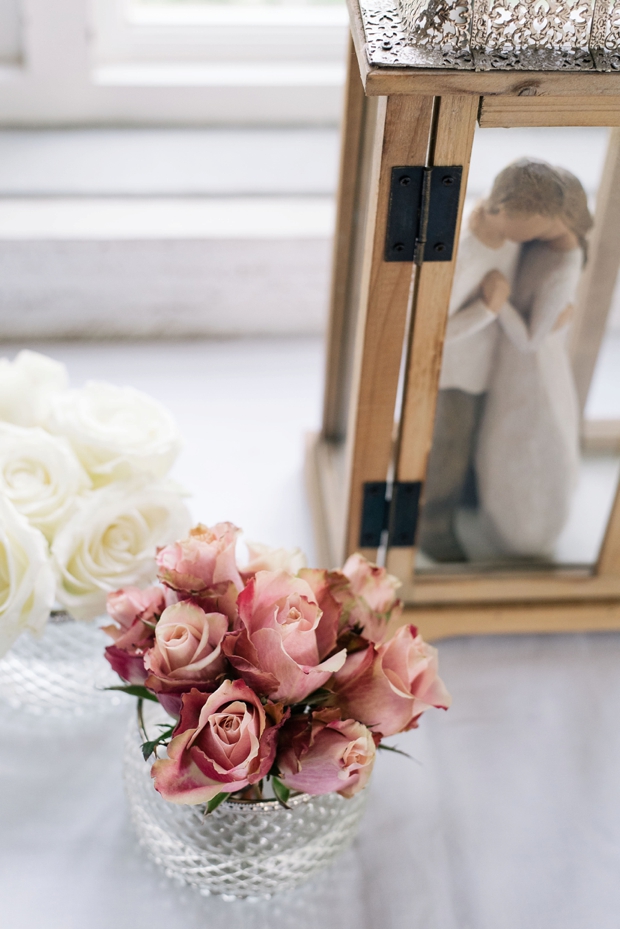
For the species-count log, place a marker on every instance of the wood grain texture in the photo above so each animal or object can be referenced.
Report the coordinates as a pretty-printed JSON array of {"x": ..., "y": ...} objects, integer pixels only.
[
  {"x": 596, "y": 287},
  {"x": 575, "y": 585},
  {"x": 505, "y": 112},
  {"x": 600, "y": 435},
  {"x": 359, "y": 39},
  {"x": 504, "y": 619},
  {"x": 456, "y": 125},
  {"x": 349, "y": 218},
  {"x": 608, "y": 565},
  {"x": 403, "y": 128},
  {"x": 324, "y": 474},
  {"x": 525, "y": 84}
]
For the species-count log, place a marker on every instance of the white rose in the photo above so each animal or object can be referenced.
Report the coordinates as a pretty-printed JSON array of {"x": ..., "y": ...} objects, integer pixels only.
[
  {"x": 264, "y": 558},
  {"x": 27, "y": 385},
  {"x": 116, "y": 432},
  {"x": 40, "y": 475},
  {"x": 111, "y": 540},
  {"x": 27, "y": 581}
]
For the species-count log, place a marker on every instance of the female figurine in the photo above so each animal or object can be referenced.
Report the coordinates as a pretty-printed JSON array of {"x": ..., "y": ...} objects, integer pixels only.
[
  {"x": 485, "y": 266},
  {"x": 527, "y": 455}
]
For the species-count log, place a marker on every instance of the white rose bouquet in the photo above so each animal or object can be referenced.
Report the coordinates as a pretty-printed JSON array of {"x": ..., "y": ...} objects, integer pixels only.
[
  {"x": 27, "y": 385},
  {"x": 116, "y": 432},
  {"x": 84, "y": 500},
  {"x": 26, "y": 577}
]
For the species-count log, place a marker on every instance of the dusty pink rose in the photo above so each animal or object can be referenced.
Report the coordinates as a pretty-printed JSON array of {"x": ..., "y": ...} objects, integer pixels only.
[
  {"x": 320, "y": 581},
  {"x": 368, "y": 596},
  {"x": 187, "y": 652},
  {"x": 265, "y": 558},
  {"x": 323, "y": 755},
  {"x": 372, "y": 583},
  {"x": 224, "y": 742},
  {"x": 136, "y": 612},
  {"x": 126, "y": 606},
  {"x": 202, "y": 562},
  {"x": 389, "y": 687},
  {"x": 283, "y": 648}
]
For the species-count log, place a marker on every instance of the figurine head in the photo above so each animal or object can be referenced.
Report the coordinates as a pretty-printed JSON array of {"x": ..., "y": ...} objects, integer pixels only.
[{"x": 530, "y": 199}]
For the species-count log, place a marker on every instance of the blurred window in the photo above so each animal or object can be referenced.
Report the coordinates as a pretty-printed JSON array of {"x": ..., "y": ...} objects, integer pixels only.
[
  {"x": 10, "y": 32},
  {"x": 171, "y": 62}
]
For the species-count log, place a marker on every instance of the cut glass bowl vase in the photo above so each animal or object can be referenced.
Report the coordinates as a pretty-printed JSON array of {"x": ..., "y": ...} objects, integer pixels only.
[
  {"x": 61, "y": 673},
  {"x": 243, "y": 848}
]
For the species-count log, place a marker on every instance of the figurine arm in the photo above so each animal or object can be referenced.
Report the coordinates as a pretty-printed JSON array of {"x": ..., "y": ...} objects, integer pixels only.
[
  {"x": 551, "y": 306},
  {"x": 469, "y": 320},
  {"x": 550, "y": 303},
  {"x": 515, "y": 328}
]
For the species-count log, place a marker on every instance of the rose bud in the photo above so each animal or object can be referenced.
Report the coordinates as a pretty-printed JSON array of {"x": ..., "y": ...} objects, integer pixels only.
[
  {"x": 224, "y": 742},
  {"x": 389, "y": 687},
  {"x": 372, "y": 583},
  {"x": 136, "y": 612},
  {"x": 368, "y": 596},
  {"x": 322, "y": 756},
  {"x": 127, "y": 606},
  {"x": 283, "y": 647},
  {"x": 187, "y": 652},
  {"x": 265, "y": 558},
  {"x": 202, "y": 562}
]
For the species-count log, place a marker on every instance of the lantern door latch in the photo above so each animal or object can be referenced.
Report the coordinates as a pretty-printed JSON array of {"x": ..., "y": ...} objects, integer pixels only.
[
  {"x": 397, "y": 514},
  {"x": 422, "y": 213}
]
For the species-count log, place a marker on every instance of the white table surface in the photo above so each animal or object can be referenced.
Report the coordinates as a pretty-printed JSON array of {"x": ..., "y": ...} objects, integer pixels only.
[{"x": 510, "y": 819}]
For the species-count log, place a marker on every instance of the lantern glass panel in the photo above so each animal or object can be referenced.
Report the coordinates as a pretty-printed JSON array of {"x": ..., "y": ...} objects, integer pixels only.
[{"x": 525, "y": 461}]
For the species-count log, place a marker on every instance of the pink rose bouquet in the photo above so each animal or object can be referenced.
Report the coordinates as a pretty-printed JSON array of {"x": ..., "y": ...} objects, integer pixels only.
[{"x": 269, "y": 670}]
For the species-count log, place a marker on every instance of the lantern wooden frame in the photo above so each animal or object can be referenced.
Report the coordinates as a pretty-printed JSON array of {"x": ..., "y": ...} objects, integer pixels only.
[{"x": 380, "y": 310}]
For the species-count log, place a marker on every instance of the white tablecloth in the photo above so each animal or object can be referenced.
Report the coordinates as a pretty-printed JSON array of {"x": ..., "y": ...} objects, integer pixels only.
[{"x": 510, "y": 819}]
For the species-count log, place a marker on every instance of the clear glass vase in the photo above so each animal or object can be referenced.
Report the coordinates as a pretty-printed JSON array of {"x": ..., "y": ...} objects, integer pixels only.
[
  {"x": 243, "y": 848},
  {"x": 61, "y": 673}
]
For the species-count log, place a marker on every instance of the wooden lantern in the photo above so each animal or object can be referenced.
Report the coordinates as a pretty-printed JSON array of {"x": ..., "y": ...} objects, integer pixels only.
[{"x": 391, "y": 287}]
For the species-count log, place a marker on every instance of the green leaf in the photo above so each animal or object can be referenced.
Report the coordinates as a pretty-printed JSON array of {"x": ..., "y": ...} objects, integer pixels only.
[
  {"x": 148, "y": 625},
  {"x": 397, "y": 751},
  {"x": 215, "y": 802},
  {"x": 318, "y": 697},
  {"x": 282, "y": 793},
  {"x": 135, "y": 690},
  {"x": 148, "y": 748},
  {"x": 150, "y": 745}
]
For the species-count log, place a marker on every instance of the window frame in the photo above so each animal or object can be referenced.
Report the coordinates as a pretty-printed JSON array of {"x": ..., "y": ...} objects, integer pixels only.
[{"x": 85, "y": 62}]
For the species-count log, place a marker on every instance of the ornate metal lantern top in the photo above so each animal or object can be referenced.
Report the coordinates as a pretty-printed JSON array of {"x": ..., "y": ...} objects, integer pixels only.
[{"x": 540, "y": 35}]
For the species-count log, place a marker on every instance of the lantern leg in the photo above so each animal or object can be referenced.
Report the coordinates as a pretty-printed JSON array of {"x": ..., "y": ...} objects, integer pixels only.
[
  {"x": 326, "y": 451},
  {"x": 599, "y": 277},
  {"x": 375, "y": 306},
  {"x": 452, "y": 144},
  {"x": 348, "y": 239},
  {"x": 608, "y": 564}
]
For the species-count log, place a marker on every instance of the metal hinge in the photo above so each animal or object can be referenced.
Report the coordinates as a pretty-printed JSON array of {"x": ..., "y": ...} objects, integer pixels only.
[
  {"x": 422, "y": 214},
  {"x": 398, "y": 514}
]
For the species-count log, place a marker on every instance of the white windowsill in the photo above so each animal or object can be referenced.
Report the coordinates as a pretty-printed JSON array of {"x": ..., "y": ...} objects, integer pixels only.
[
  {"x": 11, "y": 72},
  {"x": 166, "y": 218},
  {"x": 182, "y": 17},
  {"x": 221, "y": 74}
]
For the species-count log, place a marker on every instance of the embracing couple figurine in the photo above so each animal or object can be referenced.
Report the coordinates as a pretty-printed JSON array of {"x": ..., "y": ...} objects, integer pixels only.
[{"x": 506, "y": 433}]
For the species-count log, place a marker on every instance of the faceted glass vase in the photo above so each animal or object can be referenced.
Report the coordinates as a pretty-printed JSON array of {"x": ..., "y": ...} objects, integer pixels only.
[
  {"x": 242, "y": 848},
  {"x": 61, "y": 673}
]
